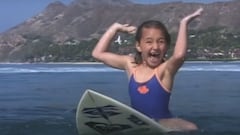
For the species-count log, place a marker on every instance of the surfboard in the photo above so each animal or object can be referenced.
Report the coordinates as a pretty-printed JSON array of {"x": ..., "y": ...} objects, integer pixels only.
[{"x": 98, "y": 114}]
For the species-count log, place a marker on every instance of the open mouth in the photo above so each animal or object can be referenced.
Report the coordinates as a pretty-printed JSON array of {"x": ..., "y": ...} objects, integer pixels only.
[
  {"x": 154, "y": 54},
  {"x": 154, "y": 57}
]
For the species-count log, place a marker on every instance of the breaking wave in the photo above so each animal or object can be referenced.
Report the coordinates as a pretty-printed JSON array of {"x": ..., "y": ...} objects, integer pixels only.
[{"x": 61, "y": 68}]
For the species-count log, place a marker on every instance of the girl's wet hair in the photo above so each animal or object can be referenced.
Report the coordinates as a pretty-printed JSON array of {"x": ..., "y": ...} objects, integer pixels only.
[{"x": 150, "y": 24}]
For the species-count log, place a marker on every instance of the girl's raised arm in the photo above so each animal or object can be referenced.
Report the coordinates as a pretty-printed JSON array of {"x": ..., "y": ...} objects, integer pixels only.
[
  {"x": 177, "y": 59},
  {"x": 101, "y": 52}
]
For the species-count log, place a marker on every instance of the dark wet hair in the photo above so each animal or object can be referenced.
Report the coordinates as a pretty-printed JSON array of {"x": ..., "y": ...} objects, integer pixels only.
[{"x": 150, "y": 24}]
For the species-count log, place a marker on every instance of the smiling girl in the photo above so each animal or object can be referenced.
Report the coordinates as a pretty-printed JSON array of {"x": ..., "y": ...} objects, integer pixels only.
[{"x": 150, "y": 74}]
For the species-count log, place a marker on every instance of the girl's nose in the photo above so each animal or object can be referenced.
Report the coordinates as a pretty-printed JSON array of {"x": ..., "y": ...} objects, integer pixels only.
[{"x": 155, "y": 45}]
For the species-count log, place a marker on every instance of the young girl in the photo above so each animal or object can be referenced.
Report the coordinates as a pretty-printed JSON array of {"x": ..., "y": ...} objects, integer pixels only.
[{"x": 150, "y": 75}]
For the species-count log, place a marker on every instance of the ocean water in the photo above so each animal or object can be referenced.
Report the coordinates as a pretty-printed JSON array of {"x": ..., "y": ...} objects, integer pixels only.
[{"x": 41, "y": 99}]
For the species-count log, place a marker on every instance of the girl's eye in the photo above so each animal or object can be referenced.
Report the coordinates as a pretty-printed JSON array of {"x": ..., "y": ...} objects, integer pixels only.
[
  {"x": 148, "y": 42},
  {"x": 161, "y": 41}
]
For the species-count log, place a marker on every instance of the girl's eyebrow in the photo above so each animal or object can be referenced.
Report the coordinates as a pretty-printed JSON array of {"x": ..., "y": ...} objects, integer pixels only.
[
  {"x": 148, "y": 38},
  {"x": 152, "y": 38}
]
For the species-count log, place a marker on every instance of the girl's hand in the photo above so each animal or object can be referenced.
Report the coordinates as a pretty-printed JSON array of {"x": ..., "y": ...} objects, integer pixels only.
[
  {"x": 124, "y": 28},
  {"x": 128, "y": 28},
  {"x": 192, "y": 16}
]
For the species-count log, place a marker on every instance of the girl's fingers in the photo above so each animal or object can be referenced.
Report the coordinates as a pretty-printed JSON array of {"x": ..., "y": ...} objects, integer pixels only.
[
  {"x": 198, "y": 12},
  {"x": 193, "y": 15},
  {"x": 132, "y": 29},
  {"x": 126, "y": 28}
]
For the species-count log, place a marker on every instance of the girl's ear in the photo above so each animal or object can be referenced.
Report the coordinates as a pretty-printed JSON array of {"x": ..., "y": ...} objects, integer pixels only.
[{"x": 138, "y": 47}]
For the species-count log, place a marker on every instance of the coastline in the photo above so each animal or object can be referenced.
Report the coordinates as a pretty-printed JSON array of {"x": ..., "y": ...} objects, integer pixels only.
[
  {"x": 99, "y": 63},
  {"x": 80, "y": 63}
]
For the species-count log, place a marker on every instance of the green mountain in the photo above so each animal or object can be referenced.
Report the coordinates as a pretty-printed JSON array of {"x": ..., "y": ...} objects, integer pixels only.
[{"x": 68, "y": 33}]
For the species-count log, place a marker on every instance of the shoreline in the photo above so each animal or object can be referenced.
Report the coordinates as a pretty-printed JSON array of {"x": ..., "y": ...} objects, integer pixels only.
[
  {"x": 83, "y": 63},
  {"x": 96, "y": 63}
]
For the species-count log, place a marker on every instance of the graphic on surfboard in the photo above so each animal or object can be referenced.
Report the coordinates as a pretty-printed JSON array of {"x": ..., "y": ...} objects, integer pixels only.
[{"x": 98, "y": 114}]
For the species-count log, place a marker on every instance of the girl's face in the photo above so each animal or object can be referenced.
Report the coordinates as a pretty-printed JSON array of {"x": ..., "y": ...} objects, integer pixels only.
[{"x": 153, "y": 47}]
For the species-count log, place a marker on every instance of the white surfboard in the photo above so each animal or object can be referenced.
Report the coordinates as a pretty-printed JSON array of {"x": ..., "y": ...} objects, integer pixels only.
[{"x": 98, "y": 114}]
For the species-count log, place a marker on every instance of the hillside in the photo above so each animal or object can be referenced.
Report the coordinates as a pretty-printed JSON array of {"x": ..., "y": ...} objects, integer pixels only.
[{"x": 83, "y": 21}]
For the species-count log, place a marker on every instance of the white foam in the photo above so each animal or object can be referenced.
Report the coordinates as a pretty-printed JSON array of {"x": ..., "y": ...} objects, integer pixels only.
[
  {"x": 56, "y": 70},
  {"x": 61, "y": 68},
  {"x": 228, "y": 67}
]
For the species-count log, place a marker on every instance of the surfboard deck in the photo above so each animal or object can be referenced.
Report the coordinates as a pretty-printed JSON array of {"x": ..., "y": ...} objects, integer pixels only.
[{"x": 98, "y": 114}]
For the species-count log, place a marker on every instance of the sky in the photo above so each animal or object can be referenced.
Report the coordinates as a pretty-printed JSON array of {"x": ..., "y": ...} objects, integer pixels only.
[{"x": 14, "y": 12}]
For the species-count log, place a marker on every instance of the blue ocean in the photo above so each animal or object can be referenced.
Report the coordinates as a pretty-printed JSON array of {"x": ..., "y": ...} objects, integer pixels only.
[{"x": 41, "y": 99}]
